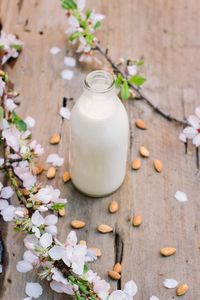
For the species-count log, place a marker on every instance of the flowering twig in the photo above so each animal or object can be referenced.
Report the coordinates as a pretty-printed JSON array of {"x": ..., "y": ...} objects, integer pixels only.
[
  {"x": 64, "y": 265},
  {"x": 82, "y": 26}
]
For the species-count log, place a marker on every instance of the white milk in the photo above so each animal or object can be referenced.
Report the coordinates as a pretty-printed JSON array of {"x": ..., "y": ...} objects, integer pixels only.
[{"x": 99, "y": 135}]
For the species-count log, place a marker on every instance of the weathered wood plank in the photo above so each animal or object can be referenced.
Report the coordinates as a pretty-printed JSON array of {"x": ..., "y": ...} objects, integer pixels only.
[{"x": 165, "y": 34}]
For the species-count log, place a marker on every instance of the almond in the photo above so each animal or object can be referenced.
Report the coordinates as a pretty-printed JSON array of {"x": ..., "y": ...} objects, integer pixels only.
[
  {"x": 61, "y": 212},
  {"x": 37, "y": 170},
  {"x": 82, "y": 242},
  {"x": 158, "y": 165},
  {"x": 167, "y": 251},
  {"x": 182, "y": 289},
  {"x": 77, "y": 224},
  {"x": 51, "y": 172},
  {"x": 140, "y": 124},
  {"x": 114, "y": 275},
  {"x": 136, "y": 164},
  {"x": 103, "y": 228},
  {"x": 55, "y": 139},
  {"x": 144, "y": 151},
  {"x": 137, "y": 220},
  {"x": 113, "y": 207},
  {"x": 66, "y": 176},
  {"x": 117, "y": 268},
  {"x": 97, "y": 251}
]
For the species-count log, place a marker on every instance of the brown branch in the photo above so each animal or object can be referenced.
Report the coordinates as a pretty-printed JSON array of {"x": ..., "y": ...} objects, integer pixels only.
[{"x": 117, "y": 71}]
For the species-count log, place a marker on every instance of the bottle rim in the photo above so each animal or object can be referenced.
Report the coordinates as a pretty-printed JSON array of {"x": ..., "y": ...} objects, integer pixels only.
[{"x": 97, "y": 76}]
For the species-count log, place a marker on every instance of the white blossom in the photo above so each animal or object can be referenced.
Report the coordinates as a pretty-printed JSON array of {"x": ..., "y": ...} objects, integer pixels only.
[
  {"x": 8, "y": 41},
  {"x": 193, "y": 130}
]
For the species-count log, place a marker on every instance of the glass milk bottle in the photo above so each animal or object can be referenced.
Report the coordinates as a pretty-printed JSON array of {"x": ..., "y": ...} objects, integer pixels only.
[{"x": 99, "y": 137}]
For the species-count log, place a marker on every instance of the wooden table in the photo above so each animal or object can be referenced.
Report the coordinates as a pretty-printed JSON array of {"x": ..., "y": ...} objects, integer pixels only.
[{"x": 167, "y": 34}]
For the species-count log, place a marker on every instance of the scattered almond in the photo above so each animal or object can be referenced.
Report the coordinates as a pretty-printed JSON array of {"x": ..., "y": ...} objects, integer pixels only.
[
  {"x": 117, "y": 268},
  {"x": 167, "y": 251},
  {"x": 82, "y": 242},
  {"x": 158, "y": 165},
  {"x": 113, "y": 207},
  {"x": 97, "y": 251},
  {"x": 103, "y": 228},
  {"x": 37, "y": 170},
  {"x": 144, "y": 151},
  {"x": 55, "y": 139},
  {"x": 51, "y": 172},
  {"x": 66, "y": 176},
  {"x": 136, "y": 164},
  {"x": 140, "y": 124},
  {"x": 61, "y": 212},
  {"x": 182, "y": 289},
  {"x": 114, "y": 275},
  {"x": 77, "y": 224},
  {"x": 137, "y": 220}
]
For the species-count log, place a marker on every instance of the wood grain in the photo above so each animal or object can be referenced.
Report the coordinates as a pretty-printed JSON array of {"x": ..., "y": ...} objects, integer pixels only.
[{"x": 166, "y": 34}]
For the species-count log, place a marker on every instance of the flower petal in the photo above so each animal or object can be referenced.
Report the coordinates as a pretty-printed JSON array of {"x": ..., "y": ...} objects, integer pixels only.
[
  {"x": 67, "y": 74},
  {"x": 196, "y": 140},
  {"x": 69, "y": 61},
  {"x": 153, "y": 298},
  {"x": 131, "y": 288},
  {"x": 34, "y": 289},
  {"x": 190, "y": 132},
  {"x": 3, "y": 204},
  {"x": 8, "y": 213},
  {"x": 24, "y": 266},
  {"x": 194, "y": 121},
  {"x": 55, "y": 50},
  {"x": 7, "y": 192},
  {"x": 65, "y": 113},
  {"x": 30, "y": 257},
  {"x": 181, "y": 196},
  {"x": 55, "y": 160},
  {"x": 56, "y": 252},
  {"x": 197, "y": 112},
  {"x": 37, "y": 219},
  {"x": 51, "y": 220},
  {"x": 46, "y": 240},
  {"x": 170, "y": 283}
]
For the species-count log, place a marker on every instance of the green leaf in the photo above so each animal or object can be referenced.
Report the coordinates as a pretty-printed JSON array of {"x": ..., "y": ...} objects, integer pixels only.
[
  {"x": 89, "y": 38},
  {"x": 69, "y": 4},
  {"x": 17, "y": 47},
  {"x": 137, "y": 80},
  {"x": 97, "y": 25},
  {"x": 20, "y": 124},
  {"x": 57, "y": 206},
  {"x": 74, "y": 36},
  {"x": 125, "y": 93},
  {"x": 118, "y": 80},
  {"x": 140, "y": 62},
  {"x": 1, "y": 113},
  {"x": 86, "y": 268},
  {"x": 88, "y": 13}
]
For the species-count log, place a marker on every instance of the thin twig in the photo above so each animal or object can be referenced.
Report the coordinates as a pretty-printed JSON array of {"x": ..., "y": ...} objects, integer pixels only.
[{"x": 117, "y": 71}]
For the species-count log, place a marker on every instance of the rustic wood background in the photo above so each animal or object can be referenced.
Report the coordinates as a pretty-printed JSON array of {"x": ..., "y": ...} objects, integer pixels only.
[{"x": 167, "y": 34}]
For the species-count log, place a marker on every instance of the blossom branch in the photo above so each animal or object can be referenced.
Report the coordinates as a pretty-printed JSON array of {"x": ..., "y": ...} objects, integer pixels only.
[{"x": 82, "y": 26}]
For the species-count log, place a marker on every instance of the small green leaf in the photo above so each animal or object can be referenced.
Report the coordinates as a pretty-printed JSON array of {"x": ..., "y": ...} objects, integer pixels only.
[
  {"x": 125, "y": 93},
  {"x": 86, "y": 268},
  {"x": 118, "y": 80},
  {"x": 89, "y": 38},
  {"x": 20, "y": 124},
  {"x": 57, "y": 206},
  {"x": 74, "y": 36},
  {"x": 140, "y": 62},
  {"x": 17, "y": 47},
  {"x": 137, "y": 80},
  {"x": 88, "y": 13},
  {"x": 1, "y": 113},
  {"x": 97, "y": 25},
  {"x": 69, "y": 4}
]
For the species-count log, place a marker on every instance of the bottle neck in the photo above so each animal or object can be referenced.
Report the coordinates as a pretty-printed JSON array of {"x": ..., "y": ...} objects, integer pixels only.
[{"x": 99, "y": 83}]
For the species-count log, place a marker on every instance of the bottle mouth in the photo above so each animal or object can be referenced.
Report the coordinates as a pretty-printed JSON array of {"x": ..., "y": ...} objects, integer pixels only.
[{"x": 99, "y": 81}]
